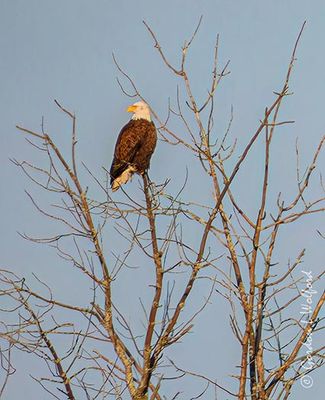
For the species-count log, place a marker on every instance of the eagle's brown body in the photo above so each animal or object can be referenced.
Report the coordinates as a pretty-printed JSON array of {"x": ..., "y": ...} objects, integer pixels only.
[{"x": 133, "y": 150}]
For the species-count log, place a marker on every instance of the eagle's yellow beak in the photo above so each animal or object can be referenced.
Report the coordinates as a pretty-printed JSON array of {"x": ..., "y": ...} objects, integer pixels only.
[{"x": 131, "y": 108}]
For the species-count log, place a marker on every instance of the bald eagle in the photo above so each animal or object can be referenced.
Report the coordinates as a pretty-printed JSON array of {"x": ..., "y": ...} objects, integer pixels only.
[{"x": 134, "y": 147}]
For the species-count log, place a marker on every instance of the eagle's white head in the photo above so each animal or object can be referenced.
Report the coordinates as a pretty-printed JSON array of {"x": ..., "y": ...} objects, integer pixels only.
[{"x": 140, "y": 110}]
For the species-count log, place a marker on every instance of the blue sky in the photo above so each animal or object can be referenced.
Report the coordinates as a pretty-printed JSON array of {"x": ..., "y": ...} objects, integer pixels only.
[{"x": 63, "y": 50}]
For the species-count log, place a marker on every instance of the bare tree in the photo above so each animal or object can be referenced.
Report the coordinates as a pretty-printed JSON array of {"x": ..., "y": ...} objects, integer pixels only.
[{"x": 102, "y": 355}]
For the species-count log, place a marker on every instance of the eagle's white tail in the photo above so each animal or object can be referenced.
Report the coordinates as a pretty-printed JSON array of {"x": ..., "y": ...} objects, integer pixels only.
[{"x": 123, "y": 178}]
